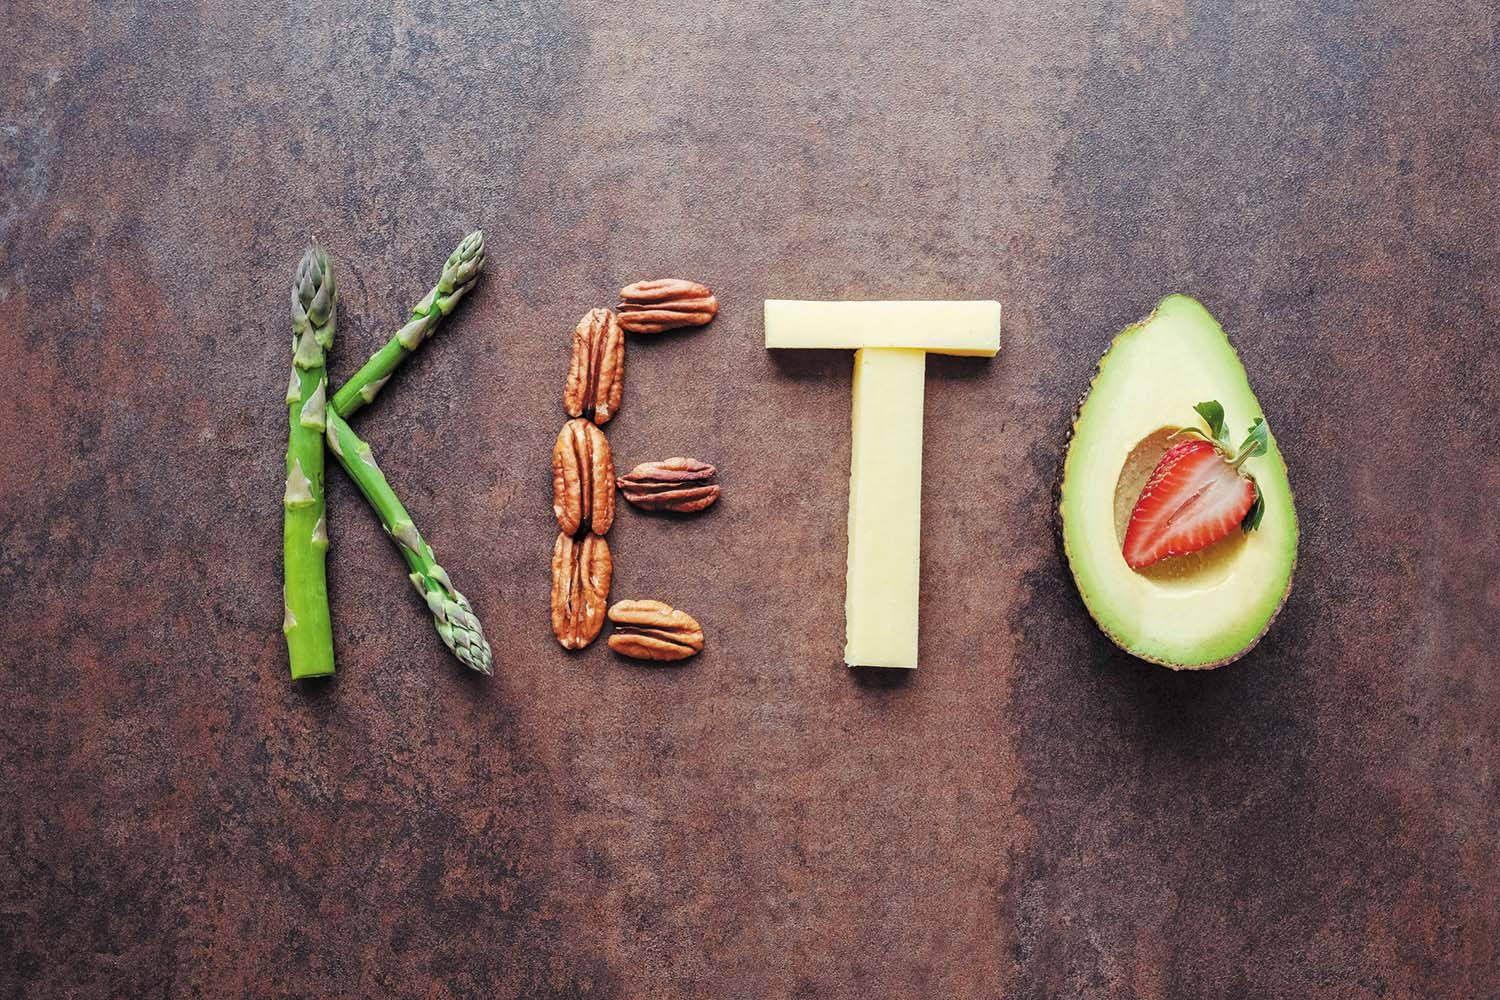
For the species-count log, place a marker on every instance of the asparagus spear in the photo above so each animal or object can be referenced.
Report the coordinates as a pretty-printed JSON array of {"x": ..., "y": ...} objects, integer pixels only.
[
  {"x": 451, "y": 613},
  {"x": 459, "y": 275},
  {"x": 309, "y": 635}
]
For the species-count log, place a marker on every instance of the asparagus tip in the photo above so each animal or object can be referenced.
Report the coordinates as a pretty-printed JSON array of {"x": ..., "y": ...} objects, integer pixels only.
[{"x": 313, "y": 289}]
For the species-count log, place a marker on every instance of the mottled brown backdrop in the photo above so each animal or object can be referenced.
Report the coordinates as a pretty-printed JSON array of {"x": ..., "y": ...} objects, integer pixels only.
[{"x": 1032, "y": 814}]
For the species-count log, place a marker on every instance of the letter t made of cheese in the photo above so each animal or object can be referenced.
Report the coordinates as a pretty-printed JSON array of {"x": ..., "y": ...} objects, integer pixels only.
[{"x": 890, "y": 341}]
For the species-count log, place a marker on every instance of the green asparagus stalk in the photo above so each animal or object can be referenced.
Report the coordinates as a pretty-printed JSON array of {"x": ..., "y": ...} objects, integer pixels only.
[
  {"x": 459, "y": 275},
  {"x": 309, "y": 635},
  {"x": 451, "y": 613}
]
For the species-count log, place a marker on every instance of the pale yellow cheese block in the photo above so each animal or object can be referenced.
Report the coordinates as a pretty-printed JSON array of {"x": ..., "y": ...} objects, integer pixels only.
[
  {"x": 885, "y": 482},
  {"x": 885, "y": 509},
  {"x": 968, "y": 327}
]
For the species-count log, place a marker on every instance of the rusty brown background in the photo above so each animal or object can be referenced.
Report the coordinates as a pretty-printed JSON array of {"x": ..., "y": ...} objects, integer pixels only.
[{"x": 1032, "y": 814}]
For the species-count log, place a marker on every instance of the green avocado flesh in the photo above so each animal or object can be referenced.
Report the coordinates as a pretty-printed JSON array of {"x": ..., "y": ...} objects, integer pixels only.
[{"x": 1186, "y": 612}]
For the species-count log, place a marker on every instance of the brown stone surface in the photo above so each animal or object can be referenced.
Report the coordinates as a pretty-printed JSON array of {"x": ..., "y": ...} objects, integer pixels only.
[{"x": 1032, "y": 813}]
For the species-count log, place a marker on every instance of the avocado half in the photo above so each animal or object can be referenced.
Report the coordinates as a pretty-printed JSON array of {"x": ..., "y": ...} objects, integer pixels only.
[{"x": 1187, "y": 612}]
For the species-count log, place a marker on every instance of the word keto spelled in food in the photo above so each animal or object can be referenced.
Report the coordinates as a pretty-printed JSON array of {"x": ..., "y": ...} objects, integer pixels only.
[{"x": 890, "y": 341}]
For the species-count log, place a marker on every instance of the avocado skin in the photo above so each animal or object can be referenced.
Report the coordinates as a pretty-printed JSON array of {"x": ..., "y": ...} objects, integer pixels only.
[{"x": 1058, "y": 492}]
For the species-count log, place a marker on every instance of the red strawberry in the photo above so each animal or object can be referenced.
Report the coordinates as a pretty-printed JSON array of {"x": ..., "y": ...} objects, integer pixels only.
[{"x": 1194, "y": 498}]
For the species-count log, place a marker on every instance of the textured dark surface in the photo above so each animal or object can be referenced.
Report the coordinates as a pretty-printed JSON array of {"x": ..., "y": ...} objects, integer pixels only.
[{"x": 1032, "y": 813}]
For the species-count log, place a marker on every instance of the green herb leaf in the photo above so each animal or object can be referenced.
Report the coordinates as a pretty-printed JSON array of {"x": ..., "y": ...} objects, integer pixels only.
[
  {"x": 1257, "y": 509},
  {"x": 1212, "y": 412},
  {"x": 1257, "y": 442}
]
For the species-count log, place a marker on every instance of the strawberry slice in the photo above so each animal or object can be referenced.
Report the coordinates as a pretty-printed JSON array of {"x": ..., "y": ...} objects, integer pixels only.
[
  {"x": 1197, "y": 494},
  {"x": 1193, "y": 498}
]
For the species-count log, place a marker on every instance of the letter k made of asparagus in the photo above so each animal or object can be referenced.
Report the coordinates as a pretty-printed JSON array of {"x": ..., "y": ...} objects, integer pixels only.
[{"x": 316, "y": 414}]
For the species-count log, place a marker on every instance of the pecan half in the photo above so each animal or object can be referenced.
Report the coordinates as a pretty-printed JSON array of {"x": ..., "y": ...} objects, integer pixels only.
[
  {"x": 581, "y": 569},
  {"x": 665, "y": 304},
  {"x": 651, "y": 630},
  {"x": 583, "y": 479},
  {"x": 683, "y": 485},
  {"x": 596, "y": 375}
]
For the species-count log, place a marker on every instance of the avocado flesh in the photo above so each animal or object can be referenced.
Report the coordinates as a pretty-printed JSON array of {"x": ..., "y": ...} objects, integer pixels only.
[{"x": 1186, "y": 612}]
